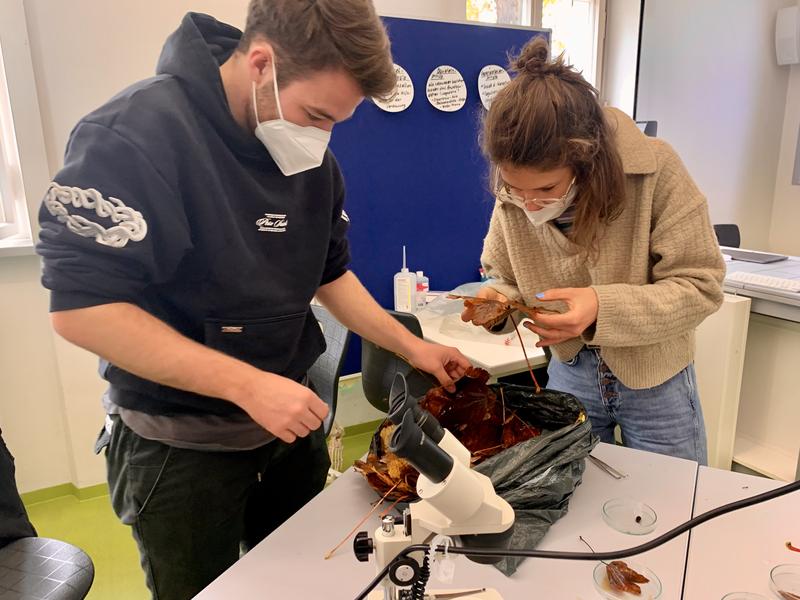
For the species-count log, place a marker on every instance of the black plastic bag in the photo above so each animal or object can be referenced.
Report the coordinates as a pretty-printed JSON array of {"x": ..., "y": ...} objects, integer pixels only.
[{"x": 537, "y": 477}]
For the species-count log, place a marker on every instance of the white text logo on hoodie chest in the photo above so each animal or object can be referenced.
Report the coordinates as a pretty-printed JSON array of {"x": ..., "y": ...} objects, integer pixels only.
[{"x": 273, "y": 223}]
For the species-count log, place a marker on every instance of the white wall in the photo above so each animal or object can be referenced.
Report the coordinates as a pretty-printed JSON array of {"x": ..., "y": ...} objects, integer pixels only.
[
  {"x": 31, "y": 401},
  {"x": 80, "y": 61},
  {"x": 442, "y": 10},
  {"x": 620, "y": 53},
  {"x": 785, "y": 229},
  {"x": 50, "y": 408},
  {"x": 708, "y": 75}
]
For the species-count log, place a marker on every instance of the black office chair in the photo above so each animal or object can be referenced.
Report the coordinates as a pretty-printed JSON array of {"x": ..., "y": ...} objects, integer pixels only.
[
  {"x": 324, "y": 373},
  {"x": 728, "y": 235},
  {"x": 379, "y": 367},
  {"x": 33, "y": 568}
]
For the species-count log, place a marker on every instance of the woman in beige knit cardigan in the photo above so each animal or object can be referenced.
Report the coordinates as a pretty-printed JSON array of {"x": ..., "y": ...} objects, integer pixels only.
[{"x": 606, "y": 226}]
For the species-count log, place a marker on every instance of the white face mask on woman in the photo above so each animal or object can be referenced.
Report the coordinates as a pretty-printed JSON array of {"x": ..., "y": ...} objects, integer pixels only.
[
  {"x": 549, "y": 208},
  {"x": 553, "y": 210},
  {"x": 294, "y": 148}
]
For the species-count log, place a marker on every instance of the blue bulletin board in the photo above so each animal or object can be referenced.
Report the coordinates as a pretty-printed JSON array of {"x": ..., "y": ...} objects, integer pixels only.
[{"x": 418, "y": 178}]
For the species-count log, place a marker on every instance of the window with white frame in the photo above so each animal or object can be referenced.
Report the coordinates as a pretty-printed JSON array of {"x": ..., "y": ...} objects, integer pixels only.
[
  {"x": 506, "y": 12},
  {"x": 24, "y": 173},
  {"x": 576, "y": 26},
  {"x": 13, "y": 219}
]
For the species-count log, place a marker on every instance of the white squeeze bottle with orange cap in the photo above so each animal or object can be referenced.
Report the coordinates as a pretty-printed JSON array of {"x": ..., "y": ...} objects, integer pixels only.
[{"x": 405, "y": 289}]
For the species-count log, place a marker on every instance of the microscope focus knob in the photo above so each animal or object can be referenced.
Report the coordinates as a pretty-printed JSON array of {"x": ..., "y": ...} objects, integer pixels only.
[
  {"x": 404, "y": 572},
  {"x": 362, "y": 546}
]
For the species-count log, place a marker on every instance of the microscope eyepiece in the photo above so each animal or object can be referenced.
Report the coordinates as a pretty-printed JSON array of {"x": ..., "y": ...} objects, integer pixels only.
[
  {"x": 410, "y": 442},
  {"x": 399, "y": 399},
  {"x": 401, "y": 402}
]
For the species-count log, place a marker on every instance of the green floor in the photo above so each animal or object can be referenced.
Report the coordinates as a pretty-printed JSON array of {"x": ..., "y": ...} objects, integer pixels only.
[
  {"x": 354, "y": 447},
  {"x": 93, "y": 526}
]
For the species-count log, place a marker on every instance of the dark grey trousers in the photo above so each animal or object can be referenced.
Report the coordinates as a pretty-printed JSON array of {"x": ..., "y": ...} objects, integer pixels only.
[
  {"x": 192, "y": 511},
  {"x": 14, "y": 523}
]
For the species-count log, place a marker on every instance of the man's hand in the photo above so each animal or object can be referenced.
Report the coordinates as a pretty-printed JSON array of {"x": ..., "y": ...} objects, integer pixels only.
[
  {"x": 136, "y": 341},
  {"x": 485, "y": 292},
  {"x": 283, "y": 407},
  {"x": 447, "y": 364},
  {"x": 553, "y": 328},
  {"x": 351, "y": 303}
]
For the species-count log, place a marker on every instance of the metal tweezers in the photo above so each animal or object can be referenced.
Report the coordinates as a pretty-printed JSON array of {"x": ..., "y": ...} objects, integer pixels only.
[
  {"x": 449, "y": 595},
  {"x": 607, "y": 468}
]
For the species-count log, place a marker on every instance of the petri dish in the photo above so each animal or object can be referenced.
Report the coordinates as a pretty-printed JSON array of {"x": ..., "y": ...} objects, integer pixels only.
[
  {"x": 630, "y": 516},
  {"x": 784, "y": 581},
  {"x": 650, "y": 590}
]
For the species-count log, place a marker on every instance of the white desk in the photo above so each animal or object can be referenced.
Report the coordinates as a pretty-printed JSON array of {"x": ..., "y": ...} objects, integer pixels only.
[
  {"x": 498, "y": 354},
  {"x": 735, "y": 552},
  {"x": 765, "y": 434},
  {"x": 664, "y": 483},
  {"x": 782, "y": 306},
  {"x": 720, "y": 343},
  {"x": 289, "y": 564}
]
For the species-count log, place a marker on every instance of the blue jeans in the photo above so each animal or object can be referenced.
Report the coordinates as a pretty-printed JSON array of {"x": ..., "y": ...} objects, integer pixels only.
[{"x": 666, "y": 418}]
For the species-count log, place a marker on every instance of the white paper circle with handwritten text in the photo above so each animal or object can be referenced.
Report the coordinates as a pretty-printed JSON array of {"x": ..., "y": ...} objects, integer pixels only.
[
  {"x": 402, "y": 96},
  {"x": 446, "y": 89},
  {"x": 491, "y": 80}
]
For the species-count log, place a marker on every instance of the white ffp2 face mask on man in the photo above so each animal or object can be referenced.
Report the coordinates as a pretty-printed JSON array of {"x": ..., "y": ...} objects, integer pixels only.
[{"x": 294, "y": 148}]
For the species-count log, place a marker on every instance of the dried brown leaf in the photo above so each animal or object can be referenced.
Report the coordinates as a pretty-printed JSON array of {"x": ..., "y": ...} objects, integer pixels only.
[
  {"x": 624, "y": 579},
  {"x": 488, "y": 313},
  {"x": 474, "y": 414}
]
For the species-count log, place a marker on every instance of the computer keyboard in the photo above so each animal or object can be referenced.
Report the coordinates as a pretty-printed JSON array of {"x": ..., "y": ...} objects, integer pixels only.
[{"x": 766, "y": 281}]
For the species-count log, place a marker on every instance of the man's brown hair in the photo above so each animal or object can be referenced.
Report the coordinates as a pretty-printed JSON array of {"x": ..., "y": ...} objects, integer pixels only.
[
  {"x": 547, "y": 117},
  {"x": 315, "y": 35}
]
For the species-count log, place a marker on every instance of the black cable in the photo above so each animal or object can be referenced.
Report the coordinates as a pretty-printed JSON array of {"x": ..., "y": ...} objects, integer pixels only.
[
  {"x": 612, "y": 555},
  {"x": 418, "y": 588}
]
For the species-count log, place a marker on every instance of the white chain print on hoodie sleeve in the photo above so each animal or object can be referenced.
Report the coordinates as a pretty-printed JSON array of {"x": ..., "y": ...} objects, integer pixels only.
[{"x": 130, "y": 225}]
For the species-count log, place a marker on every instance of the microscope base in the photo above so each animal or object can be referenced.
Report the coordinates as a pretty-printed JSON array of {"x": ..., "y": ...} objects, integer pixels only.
[{"x": 487, "y": 594}]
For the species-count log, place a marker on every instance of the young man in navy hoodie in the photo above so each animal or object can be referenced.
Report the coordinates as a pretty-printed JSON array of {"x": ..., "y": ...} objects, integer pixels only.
[{"x": 197, "y": 214}]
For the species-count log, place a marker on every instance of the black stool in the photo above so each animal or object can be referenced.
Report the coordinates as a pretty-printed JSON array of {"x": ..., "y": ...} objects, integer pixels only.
[{"x": 35, "y": 568}]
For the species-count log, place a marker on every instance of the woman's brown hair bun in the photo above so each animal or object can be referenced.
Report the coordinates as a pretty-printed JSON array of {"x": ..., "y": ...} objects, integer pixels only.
[{"x": 534, "y": 58}]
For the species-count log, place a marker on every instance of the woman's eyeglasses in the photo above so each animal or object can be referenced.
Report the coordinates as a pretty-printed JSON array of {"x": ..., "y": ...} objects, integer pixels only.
[{"x": 506, "y": 193}]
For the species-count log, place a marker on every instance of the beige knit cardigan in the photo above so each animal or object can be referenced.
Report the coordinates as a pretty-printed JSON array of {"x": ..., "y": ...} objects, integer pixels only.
[{"x": 657, "y": 275}]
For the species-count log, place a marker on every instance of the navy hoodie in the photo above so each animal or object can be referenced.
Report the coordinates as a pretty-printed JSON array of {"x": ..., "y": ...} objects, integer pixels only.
[{"x": 166, "y": 203}]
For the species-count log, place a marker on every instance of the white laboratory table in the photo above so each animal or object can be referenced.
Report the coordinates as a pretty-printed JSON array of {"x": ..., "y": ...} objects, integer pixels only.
[
  {"x": 765, "y": 433},
  {"x": 289, "y": 564},
  {"x": 664, "y": 483},
  {"x": 735, "y": 552},
  {"x": 499, "y": 354}
]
